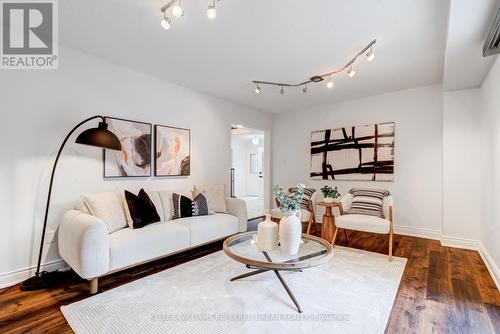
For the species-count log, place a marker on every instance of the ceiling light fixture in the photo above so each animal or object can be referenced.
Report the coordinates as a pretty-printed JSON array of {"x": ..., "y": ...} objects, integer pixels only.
[
  {"x": 329, "y": 84},
  {"x": 318, "y": 78},
  {"x": 177, "y": 10},
  {"x": 255, "y": 140},
  {"x": 370, "y": 55},
  {"x": 257, "y": 89},
  {"x": 304, "y": 90},
  {"x": 166, "y": 22},
  {"x": 211, "y": 12},
  {"x": 351, "y": 72}
]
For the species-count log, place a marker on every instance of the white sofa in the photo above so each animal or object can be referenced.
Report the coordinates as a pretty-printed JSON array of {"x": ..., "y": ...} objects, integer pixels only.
[{"x": 92, "y": 252}]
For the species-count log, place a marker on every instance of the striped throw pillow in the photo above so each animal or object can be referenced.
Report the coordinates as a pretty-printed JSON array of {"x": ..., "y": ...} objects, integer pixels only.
[
  {"x": 308, "y": 192},
  {"x": 368, "y": 202}
]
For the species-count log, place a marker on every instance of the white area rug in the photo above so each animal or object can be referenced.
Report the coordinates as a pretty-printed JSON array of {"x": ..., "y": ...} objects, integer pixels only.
[{"x": 352, "y": 293}]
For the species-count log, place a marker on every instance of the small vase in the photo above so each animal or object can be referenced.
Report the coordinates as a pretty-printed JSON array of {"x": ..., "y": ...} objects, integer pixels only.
[
  {"x": 267, "y": 235},
  {"x": 290, "y": 232},
  {"x": 329, "y": 199}
]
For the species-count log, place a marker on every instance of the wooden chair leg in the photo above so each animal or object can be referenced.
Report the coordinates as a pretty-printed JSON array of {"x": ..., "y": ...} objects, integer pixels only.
[
  {"x": 94, "y": 286},
  {"x": 309, "y": 225},
  {"x": 335, "y": 235},
  {"x": 390, "y": 245}
]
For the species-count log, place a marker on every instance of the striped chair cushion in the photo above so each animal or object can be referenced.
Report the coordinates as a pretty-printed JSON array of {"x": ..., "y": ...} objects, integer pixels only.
[
  {"x": 308, "y": 192},
  {"x": 368, "y": 202}
]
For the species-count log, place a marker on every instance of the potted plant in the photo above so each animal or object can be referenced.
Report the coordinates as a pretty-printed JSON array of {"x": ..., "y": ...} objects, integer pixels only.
[
  {"x": 329, "y": 193},
  {"x": 290, "y": 227}
]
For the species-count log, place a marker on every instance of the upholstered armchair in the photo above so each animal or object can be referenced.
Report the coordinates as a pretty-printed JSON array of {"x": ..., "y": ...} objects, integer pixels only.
[
  {"x": 364, "y": 216},
  {"x": 308, "y": 214}
]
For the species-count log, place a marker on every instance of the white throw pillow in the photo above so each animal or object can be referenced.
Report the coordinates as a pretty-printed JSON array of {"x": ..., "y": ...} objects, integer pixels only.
[
  {"x": 167, "y": 204},
  {"x": 216, "y": 194},
  {"x": 109, "y": 207}
]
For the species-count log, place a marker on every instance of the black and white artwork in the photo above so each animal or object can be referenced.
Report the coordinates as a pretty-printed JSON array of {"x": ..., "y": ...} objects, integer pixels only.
[
  {"x": 364, "y": 153},
  {"x": 134, "y": 159}
]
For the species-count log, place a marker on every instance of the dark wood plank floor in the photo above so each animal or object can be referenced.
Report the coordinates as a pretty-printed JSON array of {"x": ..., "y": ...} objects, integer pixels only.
[{"x": 443, "y": 290}]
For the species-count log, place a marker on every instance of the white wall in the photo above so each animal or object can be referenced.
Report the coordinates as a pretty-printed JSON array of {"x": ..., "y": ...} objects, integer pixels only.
[
  {"x": 490, "y": 129},
  {"x": 38, "y": 108},
  {"x": 417, "y": 185},
  {"x": 462, "y": 164}
]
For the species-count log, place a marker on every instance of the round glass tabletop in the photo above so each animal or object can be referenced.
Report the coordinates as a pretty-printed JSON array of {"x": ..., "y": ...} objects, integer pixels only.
[{"x": 242, "y": 247}]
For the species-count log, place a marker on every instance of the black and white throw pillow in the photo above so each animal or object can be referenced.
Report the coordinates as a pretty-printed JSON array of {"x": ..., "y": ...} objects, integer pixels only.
[
  {"x": 182, "y": 206},
  {"x": 200, "y": 205},
  {"x": 141, "y": 210},
  {"x": 368, "y": 202},
  {"x": 308, "y": 192}
]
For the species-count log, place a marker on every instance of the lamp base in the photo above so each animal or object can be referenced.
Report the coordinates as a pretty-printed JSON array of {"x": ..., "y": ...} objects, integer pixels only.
[{"x": 43, "y": 280}]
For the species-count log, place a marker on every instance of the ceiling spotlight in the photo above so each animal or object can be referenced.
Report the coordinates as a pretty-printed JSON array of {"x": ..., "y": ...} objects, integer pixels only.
[
  {"x": 211, "y": 12},
  {"x": 255, "y": 140},
  {"x": 257, "y": 89},
  {"x": 370, "y": 55},
  {"x": 329, "y": 84},
  {"x": 282, "y": 91},
  {"x": 177, "y": 10},
  {"x": 165, "y": 22},
  {"x": 304, "y": 90},
  {"x": 351, "y": 72}
]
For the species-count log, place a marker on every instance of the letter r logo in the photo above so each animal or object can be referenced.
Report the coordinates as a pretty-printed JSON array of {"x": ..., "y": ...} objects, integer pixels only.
[{"x": 28, "y": 28}]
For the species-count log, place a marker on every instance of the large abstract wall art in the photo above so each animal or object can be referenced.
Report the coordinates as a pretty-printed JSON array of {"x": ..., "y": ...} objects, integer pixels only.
[
  {"x": 172, "y": 151},
  {"x": 364, "y": 153},
  {"x": 135, "y": 157}
]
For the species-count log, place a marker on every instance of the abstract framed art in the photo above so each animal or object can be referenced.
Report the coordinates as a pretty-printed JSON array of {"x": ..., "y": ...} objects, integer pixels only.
[
  {"x": 134, "y": 159},
  {"x": 172, "y": 151},
  {"x": 364, "y": 153}
]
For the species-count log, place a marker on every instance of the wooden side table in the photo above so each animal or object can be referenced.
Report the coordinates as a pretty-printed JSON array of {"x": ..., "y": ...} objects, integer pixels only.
[{"x": 328, "y": 225}]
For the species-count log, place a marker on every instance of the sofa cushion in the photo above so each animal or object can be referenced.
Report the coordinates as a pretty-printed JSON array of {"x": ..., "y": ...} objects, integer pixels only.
[
  {"x": 130, "y": 246},
  {"x": 363, "y": 223},
  {"x": 107, "y": 206},
  {"x": 211, "y": 227},
  {"x": 167, "y": 204},
  {"x": 140, "y": 210},
  {"x": 216, "y": 194}
]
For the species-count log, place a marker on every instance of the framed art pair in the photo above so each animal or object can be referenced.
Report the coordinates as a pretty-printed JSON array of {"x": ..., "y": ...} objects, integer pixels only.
[{"x": 170, "y": 153}]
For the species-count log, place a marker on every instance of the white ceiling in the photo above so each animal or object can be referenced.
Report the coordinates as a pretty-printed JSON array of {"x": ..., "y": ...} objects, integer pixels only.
[
  {"x": 469, "y": 23},
  {"x": 267, "y": 40}
]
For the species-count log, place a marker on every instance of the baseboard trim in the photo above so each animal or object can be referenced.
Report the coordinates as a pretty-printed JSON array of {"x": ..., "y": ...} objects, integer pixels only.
[
  {"x": 11, "y": 278},
  {"x": 456, "y": 242},
  {"x": 490, "y": 264},
  {"x": 417, "y": 232}
]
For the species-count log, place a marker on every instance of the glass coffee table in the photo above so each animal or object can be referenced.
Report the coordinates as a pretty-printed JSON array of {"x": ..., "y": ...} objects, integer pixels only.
[{"x": 312, "y": 252}]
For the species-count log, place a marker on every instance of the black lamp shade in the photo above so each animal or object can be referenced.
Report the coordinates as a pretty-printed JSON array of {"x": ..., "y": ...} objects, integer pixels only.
[{"x": 100, "y": 137}]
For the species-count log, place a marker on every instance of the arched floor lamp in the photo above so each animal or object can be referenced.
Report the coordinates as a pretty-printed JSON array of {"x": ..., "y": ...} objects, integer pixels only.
[{"x": 99, "y": 137}]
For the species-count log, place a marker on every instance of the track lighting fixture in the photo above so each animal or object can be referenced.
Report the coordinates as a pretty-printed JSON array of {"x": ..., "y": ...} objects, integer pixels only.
[
  {"x": 351, "y": 72},
  {"x": 257, "y": 89},
  {"x": 177, "y": 10},
  {"x": 211, "y": 12},
  {"x": 165, "y": 22},
  {"x": 329, "y": 84},
  {"x": 370, "y": 55},
  {"x": 367, "y": 50}
]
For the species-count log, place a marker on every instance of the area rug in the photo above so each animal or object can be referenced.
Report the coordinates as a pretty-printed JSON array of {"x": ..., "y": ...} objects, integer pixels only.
[{"x": 352, "y": 293}]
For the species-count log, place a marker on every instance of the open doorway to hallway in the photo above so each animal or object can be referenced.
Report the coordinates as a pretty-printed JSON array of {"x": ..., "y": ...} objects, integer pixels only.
[{"x": 247, "y": 181}]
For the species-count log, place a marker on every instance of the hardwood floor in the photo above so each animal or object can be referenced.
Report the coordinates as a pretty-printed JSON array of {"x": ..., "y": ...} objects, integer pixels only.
[{"x": 443, "y": 290}]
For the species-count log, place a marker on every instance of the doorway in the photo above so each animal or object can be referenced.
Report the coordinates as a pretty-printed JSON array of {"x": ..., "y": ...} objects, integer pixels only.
[{"x": 247, "y": 181}]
